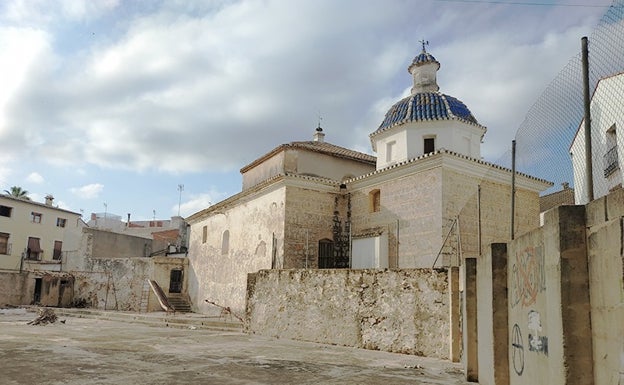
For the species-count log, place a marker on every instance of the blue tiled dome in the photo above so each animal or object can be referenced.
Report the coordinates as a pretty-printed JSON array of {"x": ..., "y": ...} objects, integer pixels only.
[
  {"x": 424, "y": 57},
  {"x": 426, "y": 106}
]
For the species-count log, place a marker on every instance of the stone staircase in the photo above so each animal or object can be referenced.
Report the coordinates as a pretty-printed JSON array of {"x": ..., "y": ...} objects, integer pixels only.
[{"x": 180, "y": 302}]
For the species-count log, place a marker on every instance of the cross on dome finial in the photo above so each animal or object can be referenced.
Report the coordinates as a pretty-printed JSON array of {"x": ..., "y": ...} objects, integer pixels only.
[{"x": 424, "y": 43}]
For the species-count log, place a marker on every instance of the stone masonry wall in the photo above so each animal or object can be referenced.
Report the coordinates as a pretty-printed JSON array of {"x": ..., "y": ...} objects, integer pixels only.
[
  {"x": 403, "y": 311},
  {"x": 308, "y": 219},
  {"x": 415, "y": 201},
  {"x": 460, "y": 198}
]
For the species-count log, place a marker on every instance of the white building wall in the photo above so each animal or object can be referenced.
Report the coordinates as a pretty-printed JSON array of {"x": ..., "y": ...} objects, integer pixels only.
[
  {"x": 607, "y": 125},
  {"x": 452, "y": 135},
  {"x": 20, "y": 227},
  {"x": 220, "y": 276}
]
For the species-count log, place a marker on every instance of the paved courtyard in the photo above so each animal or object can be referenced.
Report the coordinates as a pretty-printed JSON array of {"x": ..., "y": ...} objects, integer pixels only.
[{"x": 96, "y": 351}]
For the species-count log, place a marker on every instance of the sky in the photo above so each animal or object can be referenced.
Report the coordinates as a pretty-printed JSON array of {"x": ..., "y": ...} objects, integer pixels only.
[{"x": 111, "y": 105}]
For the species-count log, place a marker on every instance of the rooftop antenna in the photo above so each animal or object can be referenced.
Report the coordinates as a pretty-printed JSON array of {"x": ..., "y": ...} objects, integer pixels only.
[
  {"x": 154, "y": 212},
  {"x": 180, "y": 189},
  {"x": 424, "y": 43}
]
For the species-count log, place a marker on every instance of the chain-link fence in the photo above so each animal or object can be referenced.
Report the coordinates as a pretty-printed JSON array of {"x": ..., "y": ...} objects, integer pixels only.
[{"x": 547, "y": 143}]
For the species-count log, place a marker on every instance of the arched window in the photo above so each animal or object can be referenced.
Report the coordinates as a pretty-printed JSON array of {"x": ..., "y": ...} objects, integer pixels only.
[
  {"x": 374, "y": 201},
  {"x": 225, "y": 242}
]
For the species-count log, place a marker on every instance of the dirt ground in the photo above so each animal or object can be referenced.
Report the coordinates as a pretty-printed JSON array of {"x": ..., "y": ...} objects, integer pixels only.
[{"x": 94, "y": 351}]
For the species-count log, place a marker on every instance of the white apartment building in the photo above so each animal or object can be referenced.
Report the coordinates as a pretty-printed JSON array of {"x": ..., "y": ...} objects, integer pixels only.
[{"x": 36, "y": 236}]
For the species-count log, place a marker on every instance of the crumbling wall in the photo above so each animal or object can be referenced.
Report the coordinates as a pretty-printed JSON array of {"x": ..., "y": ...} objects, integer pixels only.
[
  {"x": 113, "y": 283},
  {"x": 404, "y": 311}
]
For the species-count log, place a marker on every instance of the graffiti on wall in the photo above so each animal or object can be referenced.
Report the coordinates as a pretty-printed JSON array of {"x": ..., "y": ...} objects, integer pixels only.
[
  {"x": 537, "y": 343},
  {"x": 528, "y": 277},
  {"x": 517, "y": 350}
]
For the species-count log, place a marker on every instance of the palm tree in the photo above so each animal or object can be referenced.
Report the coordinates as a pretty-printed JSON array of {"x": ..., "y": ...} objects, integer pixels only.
[{"x": 18, "y": 192}]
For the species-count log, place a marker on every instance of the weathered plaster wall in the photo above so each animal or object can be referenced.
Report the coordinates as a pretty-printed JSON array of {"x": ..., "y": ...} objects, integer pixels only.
[
  {"x": 565, "y": 295},
  {"x": 113, "y": 283},
  {"x": 606, "y": 272},
  {"x": 549, "y": 302},
  {"x": 404, "y": 311},
  {"x": 15, "y": 288},
  {"x": 19, "y": 288},
  {"x": 322, "y": 165},
  {"x": 270, "y": 167},
  {"x": 255, "y": 232},
  {"x": 107, "y": 244}
]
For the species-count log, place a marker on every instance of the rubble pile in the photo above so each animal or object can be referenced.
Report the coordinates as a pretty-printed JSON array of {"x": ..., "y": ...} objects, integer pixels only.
[{"x": 45, "y": 316}]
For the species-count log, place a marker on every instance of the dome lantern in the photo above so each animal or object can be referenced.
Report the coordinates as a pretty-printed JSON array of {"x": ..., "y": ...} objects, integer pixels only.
[{"x": 424, "y": 70}]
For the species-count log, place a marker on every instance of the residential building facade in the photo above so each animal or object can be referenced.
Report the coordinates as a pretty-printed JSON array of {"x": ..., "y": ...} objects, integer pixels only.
[
  {"x": 607, "y": 141},
  {"x": 36, "y": 236}
]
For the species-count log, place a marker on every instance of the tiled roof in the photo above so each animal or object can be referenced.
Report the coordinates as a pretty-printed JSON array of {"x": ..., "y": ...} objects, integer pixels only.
[
  {"x": 320, "y": 147},
  {"x": 332, "y": 149},
  {"x": 556, "y": 199},
  {"x": 424, "y": 57},
  {"x": 426, "y": 106}
]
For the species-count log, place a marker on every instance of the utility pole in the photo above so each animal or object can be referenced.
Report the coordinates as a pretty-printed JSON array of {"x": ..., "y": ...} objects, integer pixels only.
[{"x": 589, "y": 177}]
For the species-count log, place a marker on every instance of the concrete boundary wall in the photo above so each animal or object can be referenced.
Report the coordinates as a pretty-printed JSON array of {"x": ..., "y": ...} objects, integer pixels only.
[
  {"x": 555, "y": 298},
  {"x": 403, "y": 310}
]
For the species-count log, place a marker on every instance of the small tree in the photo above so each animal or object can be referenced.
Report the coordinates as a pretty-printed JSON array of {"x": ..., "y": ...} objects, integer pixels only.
[{"x": 17, "y": 192}]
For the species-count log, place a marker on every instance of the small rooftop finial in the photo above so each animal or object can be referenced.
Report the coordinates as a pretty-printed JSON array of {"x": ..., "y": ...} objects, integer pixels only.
[
  {"x": 319, "y": 136},
  {"x": 318, "y": 128},
  {"x": 424, "y": 43}
]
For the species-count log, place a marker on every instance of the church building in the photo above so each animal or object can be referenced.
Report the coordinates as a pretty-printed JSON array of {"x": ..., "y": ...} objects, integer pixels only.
[{"x": 426, "y": 200}]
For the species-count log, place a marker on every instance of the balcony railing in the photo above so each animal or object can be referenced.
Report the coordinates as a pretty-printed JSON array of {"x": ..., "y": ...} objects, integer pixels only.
[
  {"x": 33, "y": 256},
  {"x": 611, "y": 161}
]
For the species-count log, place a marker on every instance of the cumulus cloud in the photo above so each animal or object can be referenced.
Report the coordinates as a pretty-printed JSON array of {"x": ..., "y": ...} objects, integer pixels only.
[
  {"x": 198, "y": 202},
  {"x": 35, "y": 177},
  {"x": 89, "y": 191},
  {"x": 192, "y": 88}
]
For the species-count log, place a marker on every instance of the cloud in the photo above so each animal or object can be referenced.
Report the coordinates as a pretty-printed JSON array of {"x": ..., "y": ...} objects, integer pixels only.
[
  {"x": 198, "y": 202},
  {"x": 208, "y": 87},
  {"x": 35, "y": 177},
  {"x": 89, "y": 191}
]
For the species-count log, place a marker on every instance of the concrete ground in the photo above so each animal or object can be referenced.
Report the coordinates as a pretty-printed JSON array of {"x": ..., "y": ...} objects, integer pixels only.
[{"x": 97, "y": 351}]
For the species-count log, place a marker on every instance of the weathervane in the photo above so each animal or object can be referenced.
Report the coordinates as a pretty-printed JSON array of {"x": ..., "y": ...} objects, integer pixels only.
[{"x": 424, "y": 43}]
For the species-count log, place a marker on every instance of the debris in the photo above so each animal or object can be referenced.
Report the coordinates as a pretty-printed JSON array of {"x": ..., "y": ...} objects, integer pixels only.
[
  {"x": 45, "y": 316},
  {"x": 225, "y": 310},
  {"x": 193, "y": 327}
]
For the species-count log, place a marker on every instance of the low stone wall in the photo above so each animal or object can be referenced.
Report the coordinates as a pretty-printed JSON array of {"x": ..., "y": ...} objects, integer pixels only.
[
  {"x": 14, "y": 289},
  {"x": 404, "y": 311}
]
